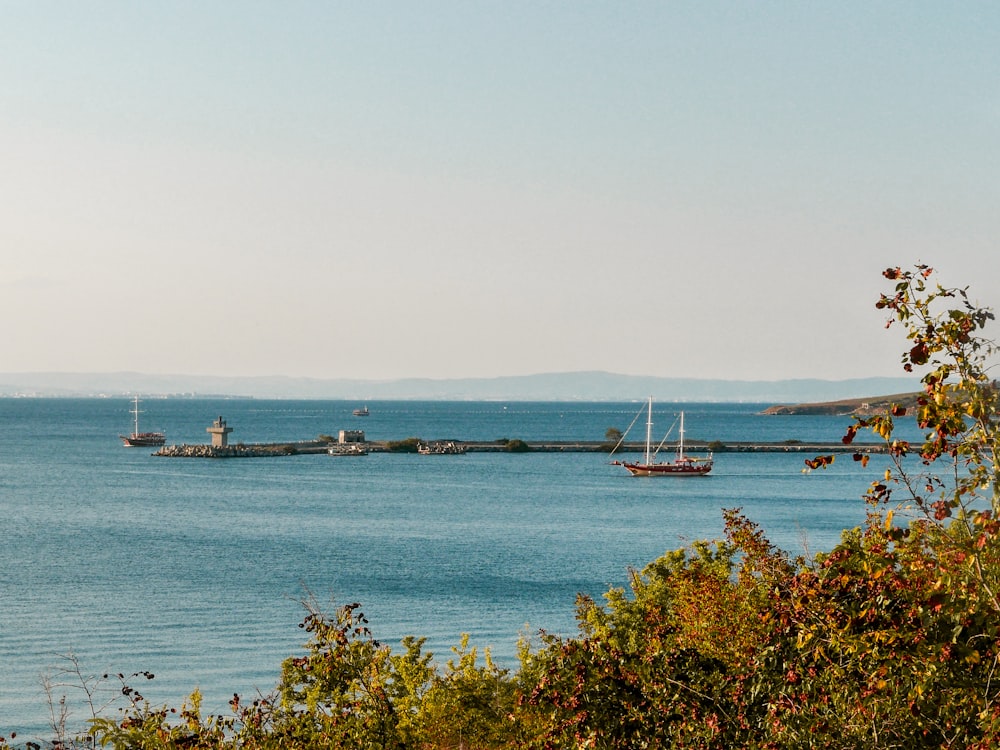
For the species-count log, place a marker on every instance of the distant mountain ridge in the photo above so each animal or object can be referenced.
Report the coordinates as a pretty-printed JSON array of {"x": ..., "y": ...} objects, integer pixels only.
[{"x": 568, "y": 386}]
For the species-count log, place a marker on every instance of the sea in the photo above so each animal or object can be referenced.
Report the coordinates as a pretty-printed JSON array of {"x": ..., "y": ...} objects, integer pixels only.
[{"x": 115, "y": 561}]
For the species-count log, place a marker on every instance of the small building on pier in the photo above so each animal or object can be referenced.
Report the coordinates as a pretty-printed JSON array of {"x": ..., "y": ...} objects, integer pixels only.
[{"x": 219, "y": 432}]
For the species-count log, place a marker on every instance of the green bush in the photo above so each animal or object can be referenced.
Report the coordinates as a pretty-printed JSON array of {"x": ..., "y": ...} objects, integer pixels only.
[
  {"x": 517, "y": 446},
  {"x": 408, "y": 445}
]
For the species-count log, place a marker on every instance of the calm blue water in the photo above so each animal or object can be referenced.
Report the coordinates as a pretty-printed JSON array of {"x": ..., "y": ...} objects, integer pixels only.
[{"x": 194, "y": 569}]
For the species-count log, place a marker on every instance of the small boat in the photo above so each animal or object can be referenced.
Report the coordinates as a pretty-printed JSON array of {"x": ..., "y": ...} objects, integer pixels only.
[
  {"x": 682, "y": 465},
  {"x": 351, "y": 449},
  {"x": 362, "y": 412},
  {"x": 141, "y": 439},
  {"x": 440, "y": 449}
]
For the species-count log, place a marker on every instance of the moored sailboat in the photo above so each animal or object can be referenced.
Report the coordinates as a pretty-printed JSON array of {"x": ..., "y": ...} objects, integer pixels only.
[
  {"x": 141, "y": 439},
  {"x": 682, "y": 465}
]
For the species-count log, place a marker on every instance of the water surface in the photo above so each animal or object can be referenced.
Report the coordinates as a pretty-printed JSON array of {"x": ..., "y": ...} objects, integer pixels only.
[{"x": 195, "y": 569}]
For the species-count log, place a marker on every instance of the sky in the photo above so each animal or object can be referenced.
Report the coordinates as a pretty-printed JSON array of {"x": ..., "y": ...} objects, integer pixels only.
[{"x": 443, "y": 189}]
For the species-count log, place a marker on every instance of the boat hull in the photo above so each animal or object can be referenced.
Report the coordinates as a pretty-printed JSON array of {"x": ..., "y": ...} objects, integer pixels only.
[
  {"x": 677, "y": 469},
  {"x": 143, "y": 439}
]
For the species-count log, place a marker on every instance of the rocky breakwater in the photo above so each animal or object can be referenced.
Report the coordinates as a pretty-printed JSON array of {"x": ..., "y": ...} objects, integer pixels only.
[{"x": 261, "y": 450}]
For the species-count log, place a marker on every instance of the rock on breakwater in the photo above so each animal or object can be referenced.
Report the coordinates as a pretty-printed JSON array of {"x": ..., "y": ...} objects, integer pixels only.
[{"x": 261, "y": 450}]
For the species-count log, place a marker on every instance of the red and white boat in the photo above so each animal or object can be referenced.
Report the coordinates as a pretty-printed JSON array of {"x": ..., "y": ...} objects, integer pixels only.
[
  {"x": 681, "y": 466},
  {"x": 141, "y": 439}
]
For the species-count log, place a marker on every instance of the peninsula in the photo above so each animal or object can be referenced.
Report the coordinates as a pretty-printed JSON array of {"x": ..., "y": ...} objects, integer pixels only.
[{"x": 852, "y": 407}]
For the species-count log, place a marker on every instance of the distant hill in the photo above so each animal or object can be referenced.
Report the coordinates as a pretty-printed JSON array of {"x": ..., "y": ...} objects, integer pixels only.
[{"x": 571, "y": 386}]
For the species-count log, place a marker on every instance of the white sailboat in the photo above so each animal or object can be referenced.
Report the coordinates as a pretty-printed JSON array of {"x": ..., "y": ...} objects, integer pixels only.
[
  {"x": 141, "y": 439},
  {"x": 682, "y": 465}
]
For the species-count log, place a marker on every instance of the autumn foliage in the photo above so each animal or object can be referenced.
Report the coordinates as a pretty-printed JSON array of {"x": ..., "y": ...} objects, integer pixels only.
[{"x": 889, "y": 640}]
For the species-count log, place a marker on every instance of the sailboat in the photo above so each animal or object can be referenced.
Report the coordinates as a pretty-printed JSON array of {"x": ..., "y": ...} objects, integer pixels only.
[
  {"x": 141, "y": 439},
  {"x": 682, "y": 465}
]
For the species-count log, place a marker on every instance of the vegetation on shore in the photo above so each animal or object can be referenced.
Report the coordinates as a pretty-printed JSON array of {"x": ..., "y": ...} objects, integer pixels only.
[
  {"x": 891, "y": 639},
  {"x": 407, "y": 445}
]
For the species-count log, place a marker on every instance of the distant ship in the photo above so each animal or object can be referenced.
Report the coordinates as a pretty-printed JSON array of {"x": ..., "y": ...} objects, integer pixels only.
[
  {"x": 682, "y": 466},
  {"x": 362, "y": 412},
  {"x": 141, "y": 439}
]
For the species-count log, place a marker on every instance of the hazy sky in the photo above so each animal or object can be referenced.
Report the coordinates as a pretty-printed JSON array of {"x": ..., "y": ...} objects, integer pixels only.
[{"x": 464, "y": 189}]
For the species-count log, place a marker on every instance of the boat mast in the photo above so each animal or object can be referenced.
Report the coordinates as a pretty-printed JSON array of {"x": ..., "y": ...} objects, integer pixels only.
[
  {"x": 649, "y": 430},
  {"x": 135, "y": 413},
  {"x": 680, "y": 445}
]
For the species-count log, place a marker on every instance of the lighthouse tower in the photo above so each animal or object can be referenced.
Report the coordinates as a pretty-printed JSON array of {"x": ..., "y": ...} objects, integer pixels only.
[{"x": 219, "y": 432}]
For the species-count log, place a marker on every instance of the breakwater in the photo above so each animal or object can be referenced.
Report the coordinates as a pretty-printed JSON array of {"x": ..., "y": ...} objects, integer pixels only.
[
  {"x": 269, "y": 450},
  {"x": 603, "y": 447}
]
